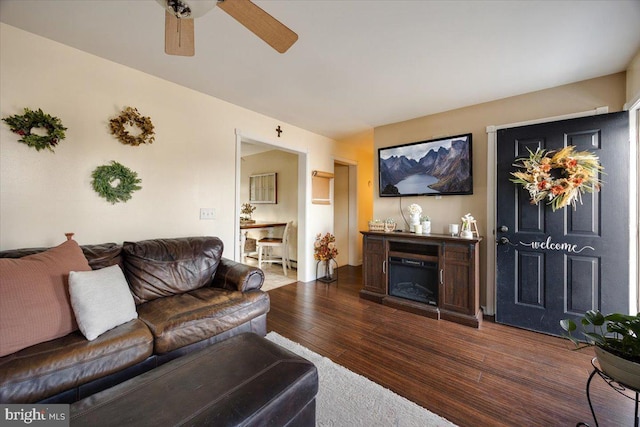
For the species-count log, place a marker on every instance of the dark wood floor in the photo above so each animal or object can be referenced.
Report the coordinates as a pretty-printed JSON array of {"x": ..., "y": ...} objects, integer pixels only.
[{"x": 493, "y": 376}]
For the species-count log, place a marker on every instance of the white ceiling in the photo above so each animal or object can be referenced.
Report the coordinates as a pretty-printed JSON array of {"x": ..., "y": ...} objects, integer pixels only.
[{"x": 358, "y": 63}]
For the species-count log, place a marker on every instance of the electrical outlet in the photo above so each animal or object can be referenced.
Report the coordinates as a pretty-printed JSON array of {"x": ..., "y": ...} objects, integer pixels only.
[{"x": 207, "y": 213}]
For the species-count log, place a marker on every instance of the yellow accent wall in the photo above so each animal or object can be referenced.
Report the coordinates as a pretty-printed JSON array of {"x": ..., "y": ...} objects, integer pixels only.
[{"x": 360, "y": 148}]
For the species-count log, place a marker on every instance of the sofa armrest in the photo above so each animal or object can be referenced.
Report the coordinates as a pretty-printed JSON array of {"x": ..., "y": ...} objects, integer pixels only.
[{"x": 235, "y": 276}]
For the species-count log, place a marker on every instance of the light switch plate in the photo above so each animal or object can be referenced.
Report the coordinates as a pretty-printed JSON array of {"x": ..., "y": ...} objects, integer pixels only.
[{"x": 207, "y": 213}]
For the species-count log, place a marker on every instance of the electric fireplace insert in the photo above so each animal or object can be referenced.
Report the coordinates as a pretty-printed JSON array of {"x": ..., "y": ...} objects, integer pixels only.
[{"x": 413, "y": 279}]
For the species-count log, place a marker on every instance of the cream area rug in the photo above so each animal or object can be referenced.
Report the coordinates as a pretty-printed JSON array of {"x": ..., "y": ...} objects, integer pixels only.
[
  {"x": 273, "y": 275},
  {"x": 346, "y": 399}
]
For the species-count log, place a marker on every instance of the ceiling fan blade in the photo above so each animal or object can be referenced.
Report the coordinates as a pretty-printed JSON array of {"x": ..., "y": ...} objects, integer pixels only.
[
  {"x": 263, "y": 25},
  {"x": 178, "y": 35}
]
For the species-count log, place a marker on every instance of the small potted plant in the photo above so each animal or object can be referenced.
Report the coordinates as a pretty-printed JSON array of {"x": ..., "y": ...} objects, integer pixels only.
[
  {"x": 247, "y": 211},
  {"x": 616, "y": 341}
]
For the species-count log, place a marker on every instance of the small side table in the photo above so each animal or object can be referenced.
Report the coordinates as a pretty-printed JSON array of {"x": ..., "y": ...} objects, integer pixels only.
[{"x": 628, "y": 392}]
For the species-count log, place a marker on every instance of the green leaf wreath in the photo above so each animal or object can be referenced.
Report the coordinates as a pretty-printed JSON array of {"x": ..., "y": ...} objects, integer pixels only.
[
  {"x": 23, "y": 124},
  {"x": 104, "y": 178}
]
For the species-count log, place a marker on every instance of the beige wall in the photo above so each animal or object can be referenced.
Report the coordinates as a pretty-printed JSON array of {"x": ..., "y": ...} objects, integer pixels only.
[
  {"x": 286, "y": 166},
  {"x": 581, "y": 96},
  {"x": 633, "y": 79},
  {"x": 190, "y": 165}
]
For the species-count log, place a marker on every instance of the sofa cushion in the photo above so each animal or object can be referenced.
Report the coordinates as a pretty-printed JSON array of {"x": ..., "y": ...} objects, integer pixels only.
[
  {"x": 165, "y": 267},
  {"x": 183, "y": 319},
  {"x": 101, "y": 300},
  {"x": 46, "y": 369},
  {"x": 34, "y": 299},
  {"x": 99, "y": 256},
  {"x": 103, "y": 255}
]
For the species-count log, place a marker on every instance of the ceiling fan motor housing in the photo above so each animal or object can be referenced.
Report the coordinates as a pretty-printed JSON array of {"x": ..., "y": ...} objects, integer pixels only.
[
  {"x": 188, "y": 9},
  {"x": 179, "y": 8}
]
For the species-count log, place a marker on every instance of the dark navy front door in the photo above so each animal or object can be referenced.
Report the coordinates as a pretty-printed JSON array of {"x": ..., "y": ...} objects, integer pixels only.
[{"x": 553, "y": 265}]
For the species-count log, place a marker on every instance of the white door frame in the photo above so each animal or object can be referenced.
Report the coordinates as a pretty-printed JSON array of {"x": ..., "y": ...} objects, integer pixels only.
[
  {"x": 634, "y": 136},
  {"x": 303, "y": 185},
  {"x": 492, "y": 201}
]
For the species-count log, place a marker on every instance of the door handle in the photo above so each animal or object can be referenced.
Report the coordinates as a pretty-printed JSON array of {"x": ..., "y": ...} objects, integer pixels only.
[
  {"x": 384, "y": 267},
  {"x": 503, "y": 241},
  {"x": 503, "y": 229}
]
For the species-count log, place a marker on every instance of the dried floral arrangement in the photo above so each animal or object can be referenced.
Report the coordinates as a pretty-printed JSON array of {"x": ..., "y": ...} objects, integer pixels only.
[
  {"x": 325, "y": 247},
  {"x": 559, "y": 177},
  {"x": 130, "y": 116}
]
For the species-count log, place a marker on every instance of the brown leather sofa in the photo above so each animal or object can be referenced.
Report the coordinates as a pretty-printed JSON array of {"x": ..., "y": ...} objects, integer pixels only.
[{"x": 171, "y": 322}]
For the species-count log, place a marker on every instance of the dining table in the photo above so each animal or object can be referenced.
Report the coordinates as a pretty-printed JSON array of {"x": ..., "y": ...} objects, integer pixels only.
[{"x": 245, "y": 227}]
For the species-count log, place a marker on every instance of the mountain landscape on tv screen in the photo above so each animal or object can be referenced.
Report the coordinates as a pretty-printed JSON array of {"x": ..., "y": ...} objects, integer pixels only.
[{"x": 439, "y": 171}]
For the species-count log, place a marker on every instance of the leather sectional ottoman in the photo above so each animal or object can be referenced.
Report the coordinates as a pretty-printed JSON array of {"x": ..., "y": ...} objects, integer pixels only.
[{"x": 243, "y": 381}]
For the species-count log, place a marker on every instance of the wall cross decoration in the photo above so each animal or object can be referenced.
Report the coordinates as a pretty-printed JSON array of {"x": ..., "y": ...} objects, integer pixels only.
[{"x": 279, "y": 130}]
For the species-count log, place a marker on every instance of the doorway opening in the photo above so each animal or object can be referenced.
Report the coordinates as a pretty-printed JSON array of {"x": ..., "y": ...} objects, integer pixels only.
[
  {"x": 345, "y": 211},
  {"x": 253, "y": 157}
]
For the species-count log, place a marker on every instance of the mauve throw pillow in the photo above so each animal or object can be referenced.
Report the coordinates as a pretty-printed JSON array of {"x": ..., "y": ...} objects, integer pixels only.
[{"x": 34, "y": 297}]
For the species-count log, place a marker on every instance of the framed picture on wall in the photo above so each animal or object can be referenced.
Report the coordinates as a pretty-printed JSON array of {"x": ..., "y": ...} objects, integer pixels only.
[{"x": 263, "y": 188}]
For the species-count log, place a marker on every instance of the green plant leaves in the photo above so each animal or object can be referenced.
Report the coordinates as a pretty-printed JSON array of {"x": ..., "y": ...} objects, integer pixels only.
[
  {"x": 594, "y": 318},
  {"x": 568, "y": 325},
  {"x": 616, "y": 332}
]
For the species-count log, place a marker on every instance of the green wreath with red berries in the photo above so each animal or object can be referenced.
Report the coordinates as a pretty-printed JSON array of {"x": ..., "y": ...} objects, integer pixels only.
[{"x": 25, "y": 123}]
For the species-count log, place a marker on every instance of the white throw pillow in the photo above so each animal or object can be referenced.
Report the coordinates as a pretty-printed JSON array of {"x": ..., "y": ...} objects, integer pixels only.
[{"x": 101, "y": 300}]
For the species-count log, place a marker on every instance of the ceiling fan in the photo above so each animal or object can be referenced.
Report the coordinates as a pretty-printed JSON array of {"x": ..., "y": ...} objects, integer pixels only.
[{"x": 179, "y": 25}]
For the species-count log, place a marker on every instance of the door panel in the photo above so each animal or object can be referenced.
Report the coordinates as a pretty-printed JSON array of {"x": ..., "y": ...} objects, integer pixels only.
[
  {"x": 562, "y": 263},
  {"x": 583, "y": 275},
  {"x": 531, "y": 278}
]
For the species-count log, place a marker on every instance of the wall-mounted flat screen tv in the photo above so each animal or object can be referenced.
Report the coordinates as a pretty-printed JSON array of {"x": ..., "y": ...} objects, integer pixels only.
[{"x": 427, "y": 168}]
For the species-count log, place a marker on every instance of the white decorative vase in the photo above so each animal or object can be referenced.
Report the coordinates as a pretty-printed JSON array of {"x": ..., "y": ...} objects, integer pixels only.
[
  {"x": 621, "y": 370},
  {"x": 426, "y": 227},
  {"x": 414, "y": 219}
]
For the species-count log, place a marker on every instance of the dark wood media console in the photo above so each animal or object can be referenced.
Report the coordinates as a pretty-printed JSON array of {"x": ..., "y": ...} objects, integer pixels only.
[{"x": 448, "y": 266}]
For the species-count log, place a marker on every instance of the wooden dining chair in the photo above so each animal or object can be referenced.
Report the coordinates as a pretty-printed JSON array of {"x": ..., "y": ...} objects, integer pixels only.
[{"x": 267, "y": 244}]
